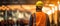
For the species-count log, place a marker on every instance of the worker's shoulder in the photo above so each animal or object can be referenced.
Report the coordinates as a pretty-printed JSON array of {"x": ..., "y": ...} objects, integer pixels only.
[
  {"x": 39, "y": 13},
  {"x": 44, "y": 14}
]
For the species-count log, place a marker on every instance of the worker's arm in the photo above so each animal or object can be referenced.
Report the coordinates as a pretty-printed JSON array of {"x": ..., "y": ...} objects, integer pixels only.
[
  {"x": 31, "y": 21},
  {"x": 47, "y": 20}
]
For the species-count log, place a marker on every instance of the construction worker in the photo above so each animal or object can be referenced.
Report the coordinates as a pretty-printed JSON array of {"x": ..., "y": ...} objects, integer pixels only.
[{"x": 38, "y": 18}]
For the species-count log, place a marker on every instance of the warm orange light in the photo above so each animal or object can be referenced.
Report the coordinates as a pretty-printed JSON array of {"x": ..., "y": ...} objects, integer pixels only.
[
  {"x": 58, "y": 2},
  {"x": 59, "y": 7},
  {"x": 51, "y": 4}
]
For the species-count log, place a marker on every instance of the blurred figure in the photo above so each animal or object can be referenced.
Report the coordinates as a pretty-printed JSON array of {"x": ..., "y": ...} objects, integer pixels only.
[
  {"x": 39, "y": 18},
  {"x": 27, "y": 17},
  {"x": 53, "y": 16},
  {"x": 20, "y": 18}
]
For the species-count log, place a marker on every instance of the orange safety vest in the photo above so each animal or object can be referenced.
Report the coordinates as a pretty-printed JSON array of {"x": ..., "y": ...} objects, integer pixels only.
[{"x": 40, "y": 19}]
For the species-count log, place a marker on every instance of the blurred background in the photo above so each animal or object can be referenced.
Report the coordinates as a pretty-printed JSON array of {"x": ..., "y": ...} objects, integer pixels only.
[{"x": 17, "y": 12}]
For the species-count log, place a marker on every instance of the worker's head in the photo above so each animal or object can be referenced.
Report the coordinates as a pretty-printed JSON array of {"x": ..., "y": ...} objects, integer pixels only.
[{"x": 39, "y": 5}]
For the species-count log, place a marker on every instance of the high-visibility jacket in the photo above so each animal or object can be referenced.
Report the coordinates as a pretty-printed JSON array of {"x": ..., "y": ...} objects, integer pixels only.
[{"x": 40, "y": 18}]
